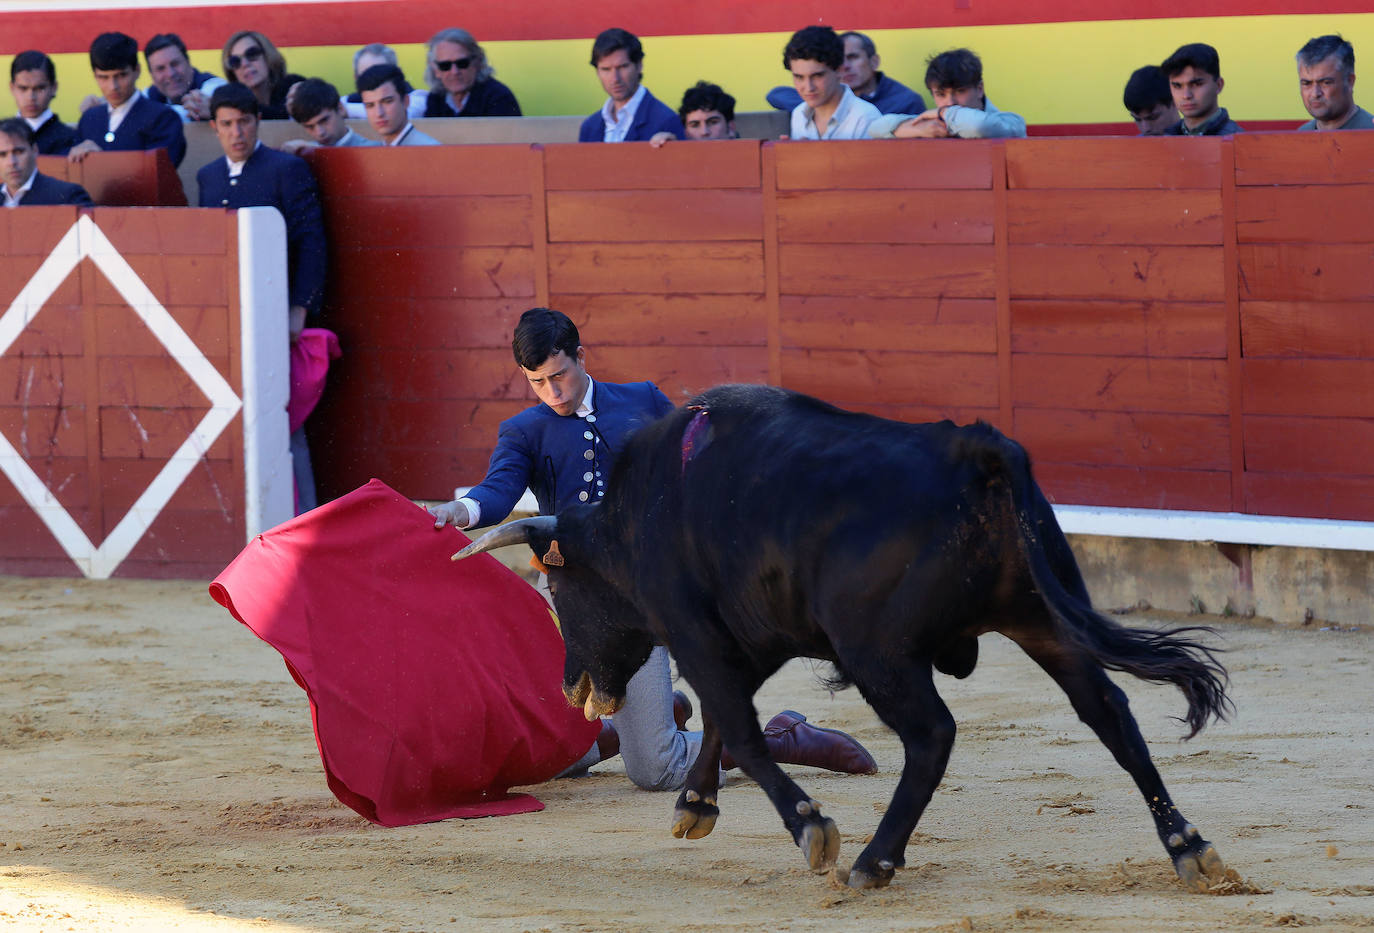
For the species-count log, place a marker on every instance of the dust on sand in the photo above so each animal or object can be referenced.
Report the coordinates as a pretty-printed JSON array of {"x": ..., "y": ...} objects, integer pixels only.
[{"x": 158, "y": 771}]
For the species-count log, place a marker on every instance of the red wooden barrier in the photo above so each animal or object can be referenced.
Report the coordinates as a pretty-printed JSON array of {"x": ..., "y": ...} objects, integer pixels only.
[
  {"x": 1165, "y": 323},
  {"x": 122, "y": 179}
]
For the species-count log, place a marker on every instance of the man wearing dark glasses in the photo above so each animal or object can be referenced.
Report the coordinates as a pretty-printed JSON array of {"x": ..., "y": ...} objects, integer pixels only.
[
  {"x": 127, "y": 120},
  {"x": 460, "y": 79}
]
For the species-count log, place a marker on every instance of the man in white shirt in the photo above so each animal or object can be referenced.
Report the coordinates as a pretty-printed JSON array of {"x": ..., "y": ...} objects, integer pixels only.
[
  {"x": 630, "y": 113},
  {"x": 829, "y": 109},
  {"x": 955, "y": 81},
  {"x": 386, "y": 93},
  {"x": 33, "y": 82}
]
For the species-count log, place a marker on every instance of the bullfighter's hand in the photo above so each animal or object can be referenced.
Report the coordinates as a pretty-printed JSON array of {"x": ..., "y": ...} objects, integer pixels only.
[
  {"x": 296, "y": 322},
  {"x": 450, "y": 513},
  {"x": 82, "y": 149}
]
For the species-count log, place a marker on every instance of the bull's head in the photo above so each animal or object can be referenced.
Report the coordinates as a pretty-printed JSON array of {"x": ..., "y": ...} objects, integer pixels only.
[{"x": 605, "y": 637}]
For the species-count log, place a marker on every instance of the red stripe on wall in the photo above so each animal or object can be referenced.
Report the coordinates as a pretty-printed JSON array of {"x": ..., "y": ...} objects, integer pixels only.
[{"x": 405, "y": 21}]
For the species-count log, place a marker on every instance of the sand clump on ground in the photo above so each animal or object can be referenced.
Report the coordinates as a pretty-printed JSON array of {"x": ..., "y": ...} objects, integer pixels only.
[{"x": 159, "y": 772}]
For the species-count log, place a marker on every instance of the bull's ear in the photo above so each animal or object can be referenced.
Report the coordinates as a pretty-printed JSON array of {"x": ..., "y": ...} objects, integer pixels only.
[{"x": 520, "y": 531}]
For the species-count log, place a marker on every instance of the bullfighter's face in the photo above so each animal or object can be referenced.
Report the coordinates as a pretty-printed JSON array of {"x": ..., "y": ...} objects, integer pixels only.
[{"x": 560, "y": 381}]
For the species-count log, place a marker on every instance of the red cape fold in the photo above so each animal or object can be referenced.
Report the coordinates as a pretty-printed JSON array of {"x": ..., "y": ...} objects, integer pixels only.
[{"x": 434, "y": 686}]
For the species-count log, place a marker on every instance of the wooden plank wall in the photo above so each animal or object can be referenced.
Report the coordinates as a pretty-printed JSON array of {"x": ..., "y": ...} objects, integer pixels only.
[
  {"x": 122, "y": 179},
  {"x": 1153, "y": 318},
  {"x": 1305, "y": 232},
  {"x": 96, "y": 406}
]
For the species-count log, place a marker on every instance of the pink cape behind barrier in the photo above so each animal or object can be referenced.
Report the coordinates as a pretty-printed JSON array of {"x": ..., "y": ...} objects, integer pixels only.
[{"x": 434, "y": 686}]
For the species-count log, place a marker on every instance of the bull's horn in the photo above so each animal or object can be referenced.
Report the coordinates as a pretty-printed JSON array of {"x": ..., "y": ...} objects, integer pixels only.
[{"x": 516, "y": 532}]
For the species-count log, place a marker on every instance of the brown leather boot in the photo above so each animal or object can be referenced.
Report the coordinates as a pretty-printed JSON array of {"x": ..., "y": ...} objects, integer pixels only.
[
  {"x": 608, "y": 742},
  {"x": 792, "y": 740},
  {"x": 682, "y": 709}
]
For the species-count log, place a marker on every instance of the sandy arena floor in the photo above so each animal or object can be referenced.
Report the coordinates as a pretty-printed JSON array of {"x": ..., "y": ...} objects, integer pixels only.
[{"x": 157, "y": 771}]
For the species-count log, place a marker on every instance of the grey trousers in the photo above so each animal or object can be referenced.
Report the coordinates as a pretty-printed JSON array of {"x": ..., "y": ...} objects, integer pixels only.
[{"x": 656, "y": 753}]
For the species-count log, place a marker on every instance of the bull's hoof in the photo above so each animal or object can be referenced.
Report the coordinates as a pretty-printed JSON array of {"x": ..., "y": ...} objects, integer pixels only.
[
  {"x": 1200, "y": 869},
  {"x": 694, "y": 815},
  {"x": 876, "y": 875},
  {"x": 820, "y": 843}
]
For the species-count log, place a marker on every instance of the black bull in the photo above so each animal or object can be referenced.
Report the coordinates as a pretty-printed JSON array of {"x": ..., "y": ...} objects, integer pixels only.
[{"x": 757, "y": 525}]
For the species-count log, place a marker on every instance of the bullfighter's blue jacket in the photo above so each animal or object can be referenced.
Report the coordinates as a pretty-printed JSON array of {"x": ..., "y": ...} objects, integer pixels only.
[
  {"x": 147, "y": 125},
  {"x": 47, "y": 190},
  {"x": 564, "y": 459},
  {"x": 275, "y": 179},
  {"x": 653, "y": 116}
]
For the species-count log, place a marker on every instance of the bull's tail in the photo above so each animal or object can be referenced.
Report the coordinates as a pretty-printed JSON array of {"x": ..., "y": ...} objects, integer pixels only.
[{"x": 1171, "y": 656}]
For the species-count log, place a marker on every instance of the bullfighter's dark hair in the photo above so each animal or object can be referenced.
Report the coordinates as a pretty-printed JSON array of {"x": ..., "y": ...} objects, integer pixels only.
[
  {"x": 615, "y": 40},
  {"x": 814, "y": 44},
  {"x": 18, "y": 128},
  {"x": 1146, "y": 87},
  {"x": 114, "y": 51},
  {"x": 34, "y": 60},
  {"x": 1323, "y": 47},
  {"x": 1197, "y": 55},
  {"x": 707, "y": 96},
  {"x": 312, "y": 97},
  {"x": 377, "y": 75},
  {"x": 542, "y": 333},
  {"x": 236, "y": 96},
  {"x": 953, "y": 69}
]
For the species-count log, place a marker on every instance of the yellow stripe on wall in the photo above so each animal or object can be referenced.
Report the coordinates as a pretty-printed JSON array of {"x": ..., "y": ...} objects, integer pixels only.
[{"x": 1047, "y": 72}]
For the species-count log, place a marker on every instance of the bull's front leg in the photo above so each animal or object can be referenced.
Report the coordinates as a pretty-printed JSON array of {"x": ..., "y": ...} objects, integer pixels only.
[
  {"x": 727, "y": 707},
  {"x": 695, "y": 813}
]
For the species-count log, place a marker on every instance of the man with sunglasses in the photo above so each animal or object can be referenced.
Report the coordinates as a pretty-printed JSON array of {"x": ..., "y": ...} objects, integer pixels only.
[
  {"x": 386, "y": 95},
  {"x": 128, "y": 120},
  {"x": 460, "y": 80}
]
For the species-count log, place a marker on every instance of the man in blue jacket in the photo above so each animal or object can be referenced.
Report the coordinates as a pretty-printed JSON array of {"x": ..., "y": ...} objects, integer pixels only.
[
  {"x": 563, "y": 449},
  {"x": 631, "y": 113},
  {"x": 127, "y": 120},
  {"x": 22, "y": 184},
  {"x": 254, "y": 175}
]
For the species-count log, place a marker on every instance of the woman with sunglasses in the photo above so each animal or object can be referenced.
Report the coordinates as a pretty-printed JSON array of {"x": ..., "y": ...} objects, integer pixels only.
[
  {"x": 460, "y": 81},
  {"x": 250, "y": 59}
]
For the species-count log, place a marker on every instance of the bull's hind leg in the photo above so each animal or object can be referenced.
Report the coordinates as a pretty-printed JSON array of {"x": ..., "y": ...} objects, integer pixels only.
[
  {"x": 909, "y": 704},
  {"x": 1103, "y": 706}
]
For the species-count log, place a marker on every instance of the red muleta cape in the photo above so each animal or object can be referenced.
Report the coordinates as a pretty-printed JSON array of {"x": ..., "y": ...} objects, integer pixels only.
[{"x": 434, "y": 686}]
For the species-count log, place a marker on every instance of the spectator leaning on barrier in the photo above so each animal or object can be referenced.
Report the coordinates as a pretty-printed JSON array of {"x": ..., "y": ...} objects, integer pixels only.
[
  {"x": 860, "y": 73},
  {"x": 828, "y": 108},
  {"x": 254, "y": 175},
  {"x": 33, "y": 82},
  {"x": 175, "y": 82},
  {"x": 460, "y": 79},
  {"x": 962, "y": 109},
  {"x": 250, "y": 59},
  {"x": 707, "y": 112},
  {"x": 1194, "y": 73},
  {"x": 24, "y": 185},
  {"x": 385, "y": 92},
  {"x": 1326, "y": 77},
  {"x": 1149, "y": 101},
  {"x": 127, "y": 120},
  {"x": 630, "y": 113},
  {"x": 316, "y": 106}
]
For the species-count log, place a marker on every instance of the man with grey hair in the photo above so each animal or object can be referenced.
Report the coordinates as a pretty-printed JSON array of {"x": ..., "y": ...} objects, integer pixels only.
[
  {"x": 1326, "y": 78},
  {"x": 460, "y": 79},
  {"x": 375, "y": 53}
]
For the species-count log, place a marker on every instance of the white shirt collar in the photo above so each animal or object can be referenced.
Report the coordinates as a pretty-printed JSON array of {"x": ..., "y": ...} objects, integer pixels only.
[
  {"x": 39, "y": 120},
  {"x": 117, "y": 114},
  {"x": 847, "y": 97},
  {"x": 12, "y": 200},
  {"x": 236, "y": 168},
  {"x": 401, "y": 136},
  {"x": 343, "y": 140},
  {"x": 585, "y": 407},
  {"x": 618, "y": 124}
]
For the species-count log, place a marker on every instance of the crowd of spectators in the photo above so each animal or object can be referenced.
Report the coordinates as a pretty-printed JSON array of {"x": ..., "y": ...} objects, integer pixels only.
[{"x": 838, "y": 90}]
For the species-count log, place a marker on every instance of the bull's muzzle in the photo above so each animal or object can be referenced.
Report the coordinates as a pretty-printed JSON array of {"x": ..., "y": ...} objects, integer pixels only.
[{"x": 594, "y": 703}]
